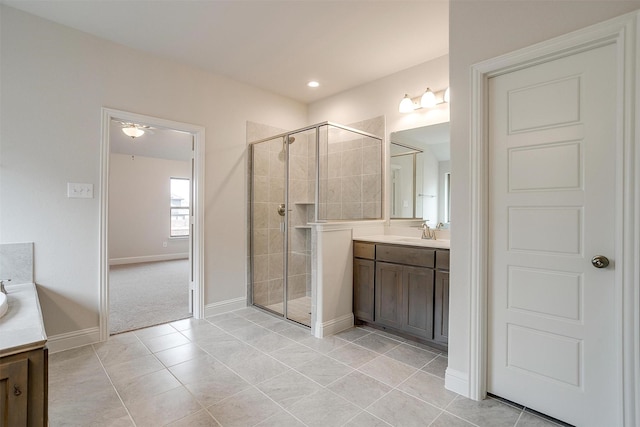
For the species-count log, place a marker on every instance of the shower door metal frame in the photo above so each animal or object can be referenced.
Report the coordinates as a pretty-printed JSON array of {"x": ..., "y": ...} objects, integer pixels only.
[{"x": 285, "y": 141}]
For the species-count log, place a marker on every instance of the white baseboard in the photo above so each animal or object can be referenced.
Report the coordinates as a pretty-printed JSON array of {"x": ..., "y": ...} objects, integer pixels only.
[
  {"x": 148, "y": 258},
  {"x": 333, "y": 326},
  {"x": 73, "y": 339},
  {"x": 456, "y": 381},
  {"x": 225, "y": 306}
]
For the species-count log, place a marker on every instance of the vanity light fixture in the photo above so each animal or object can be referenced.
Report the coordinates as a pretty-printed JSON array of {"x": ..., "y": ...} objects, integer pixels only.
[
  {"x": 429, "y": 99},
  {"x": 133, "y": 131},
  {"x": 406, "y": 105}
]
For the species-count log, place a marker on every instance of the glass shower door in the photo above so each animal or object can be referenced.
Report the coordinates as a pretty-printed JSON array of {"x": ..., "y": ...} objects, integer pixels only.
[
  {"x": 268, "y": 211},
  {"x": 301, "y": 210}
]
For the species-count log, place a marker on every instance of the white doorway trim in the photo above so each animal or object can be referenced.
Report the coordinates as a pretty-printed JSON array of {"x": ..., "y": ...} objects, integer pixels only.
[
  {"x": 622, "y": 32},
  {"x": 197, "y": 204}
]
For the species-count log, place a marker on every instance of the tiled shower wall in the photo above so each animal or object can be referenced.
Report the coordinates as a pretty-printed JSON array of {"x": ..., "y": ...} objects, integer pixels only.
[{"x": 351, "y": 173}]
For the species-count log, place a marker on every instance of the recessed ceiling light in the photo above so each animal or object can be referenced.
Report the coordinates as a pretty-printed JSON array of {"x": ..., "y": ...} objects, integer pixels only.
[{"x": 313, "y": 83}]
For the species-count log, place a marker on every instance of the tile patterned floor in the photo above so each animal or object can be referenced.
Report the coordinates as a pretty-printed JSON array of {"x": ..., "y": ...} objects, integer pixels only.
[{"x": 247, "y": 368}]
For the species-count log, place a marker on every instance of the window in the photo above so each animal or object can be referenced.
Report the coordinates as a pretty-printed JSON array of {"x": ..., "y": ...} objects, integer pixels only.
[{"x": 180, "y": 190}]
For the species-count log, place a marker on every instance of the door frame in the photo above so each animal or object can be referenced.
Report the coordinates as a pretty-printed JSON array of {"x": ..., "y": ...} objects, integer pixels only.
[
  {"x": 622, "y": 32},
  {"x": 197, "y": 206}
]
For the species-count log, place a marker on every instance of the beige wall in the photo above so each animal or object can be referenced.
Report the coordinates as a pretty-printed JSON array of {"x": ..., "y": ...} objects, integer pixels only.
[
  {"x": 139, "y": 221},
  {"x": 54, "y": 82},
  {"x": 480, "y": 30}
]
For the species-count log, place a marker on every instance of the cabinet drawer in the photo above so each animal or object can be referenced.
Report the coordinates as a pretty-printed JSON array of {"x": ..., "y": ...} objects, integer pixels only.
[
  {"x": 406, "y": 255},
  {"x": 364, "y": 250},
  {"x": 442, "y": 260}
]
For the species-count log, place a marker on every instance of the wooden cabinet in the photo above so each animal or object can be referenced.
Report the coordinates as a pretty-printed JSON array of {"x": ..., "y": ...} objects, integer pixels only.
[
  {"x": 409, "y": 290},
  {"x": 388, "y": 294},
  {"x": 418, "y": 301},
  {"x": 441, "y": 312},
  {"x": 441, "y": 309},
  {"x": 13, "y": 392},
  {"x": 363, "y": 281},
  {"x": 23, "y": 389}
]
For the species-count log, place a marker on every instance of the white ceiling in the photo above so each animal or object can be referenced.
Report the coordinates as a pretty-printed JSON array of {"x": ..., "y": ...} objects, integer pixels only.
[{"x": 275, "y": 45}]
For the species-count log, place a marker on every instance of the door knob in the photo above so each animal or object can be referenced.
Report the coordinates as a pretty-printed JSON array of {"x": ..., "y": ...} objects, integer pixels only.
[
  {"x": 600, "y": 261},
  {"x": 281, "y": 209}
]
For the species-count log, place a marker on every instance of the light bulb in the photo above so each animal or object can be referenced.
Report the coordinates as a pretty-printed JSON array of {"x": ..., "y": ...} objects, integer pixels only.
[
  {"x": 428, "y": 99},
  {"x": 406, "y": 105}
]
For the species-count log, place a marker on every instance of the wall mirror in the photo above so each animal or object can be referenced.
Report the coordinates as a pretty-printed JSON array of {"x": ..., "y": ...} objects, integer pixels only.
[{"x": 420, "y": 174}]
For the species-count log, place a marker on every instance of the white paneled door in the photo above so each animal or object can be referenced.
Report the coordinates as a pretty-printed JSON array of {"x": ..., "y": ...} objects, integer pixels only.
[{"x": 552, "y": 199}]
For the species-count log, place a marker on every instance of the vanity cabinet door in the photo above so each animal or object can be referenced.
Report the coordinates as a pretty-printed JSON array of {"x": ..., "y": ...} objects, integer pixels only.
[
  {"x": 441, "y": 321},
  {"x": 23, "y": 389},
  {"x": 418, "y": 301},
  {"x": 363, "y": 285},
  {"x": 14, "y": 390},
  {"x": 388, "y": 293}
]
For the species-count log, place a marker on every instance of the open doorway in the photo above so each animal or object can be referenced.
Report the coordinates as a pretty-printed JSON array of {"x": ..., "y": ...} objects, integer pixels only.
[{"x": 151, "y": 212}]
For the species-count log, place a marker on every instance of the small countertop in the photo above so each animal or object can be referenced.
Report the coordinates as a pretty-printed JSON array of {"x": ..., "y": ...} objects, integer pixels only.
[
  {"x": 404, "y": 240},
  {"x": 21, "y": 328}
]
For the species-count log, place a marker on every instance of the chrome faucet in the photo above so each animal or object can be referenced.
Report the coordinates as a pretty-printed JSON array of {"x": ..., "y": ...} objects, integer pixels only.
[
  {"x": 428, "y": 233},
  {"x": 2, "y": 289}
]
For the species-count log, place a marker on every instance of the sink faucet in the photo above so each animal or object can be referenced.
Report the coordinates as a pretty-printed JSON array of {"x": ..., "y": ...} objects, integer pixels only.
[
  {"x": 428, "y": 233},
  {"x": 2, "y": 289}
]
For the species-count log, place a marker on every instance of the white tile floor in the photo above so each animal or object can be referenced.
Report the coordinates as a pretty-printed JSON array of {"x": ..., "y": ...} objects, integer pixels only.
[{"x": 247, "y": 368}]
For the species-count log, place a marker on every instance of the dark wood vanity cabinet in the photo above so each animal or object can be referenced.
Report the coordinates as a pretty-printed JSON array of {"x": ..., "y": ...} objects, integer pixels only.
[
  {"x": 363, "y": 274},
  {"x": 23, "y": 389},
  {"x": 408, "y": 293}
]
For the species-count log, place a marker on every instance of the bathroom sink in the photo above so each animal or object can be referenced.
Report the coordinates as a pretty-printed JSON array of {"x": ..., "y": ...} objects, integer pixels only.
[{"x": 4, "y": 304}]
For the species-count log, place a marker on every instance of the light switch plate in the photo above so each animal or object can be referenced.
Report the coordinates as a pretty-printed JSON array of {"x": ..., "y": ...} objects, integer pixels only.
[{"x": 79, "y": 191}]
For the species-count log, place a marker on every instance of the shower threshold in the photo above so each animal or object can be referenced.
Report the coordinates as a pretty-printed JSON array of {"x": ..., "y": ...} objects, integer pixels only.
[{"x": 299, "y": 310}]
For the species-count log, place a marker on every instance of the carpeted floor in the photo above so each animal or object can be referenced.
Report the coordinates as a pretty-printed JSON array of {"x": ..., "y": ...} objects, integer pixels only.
[{"x": 147, "y": 294}]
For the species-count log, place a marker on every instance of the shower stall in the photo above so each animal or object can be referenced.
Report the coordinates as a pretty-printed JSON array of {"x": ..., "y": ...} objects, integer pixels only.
[{"x": 321, "y": 173}]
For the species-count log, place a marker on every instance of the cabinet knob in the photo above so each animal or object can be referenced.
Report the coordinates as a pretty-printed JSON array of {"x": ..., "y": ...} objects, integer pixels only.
[{"x": 16, "y": 390}]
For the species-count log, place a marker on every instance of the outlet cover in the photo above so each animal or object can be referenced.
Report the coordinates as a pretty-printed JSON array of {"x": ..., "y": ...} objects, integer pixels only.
[{"x": 79, "y": 191}]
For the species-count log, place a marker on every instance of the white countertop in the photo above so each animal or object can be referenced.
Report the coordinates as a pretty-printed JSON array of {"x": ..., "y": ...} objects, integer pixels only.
[
  {"x": 21, "y": 328},
  {"x": 406, "y": 241}
]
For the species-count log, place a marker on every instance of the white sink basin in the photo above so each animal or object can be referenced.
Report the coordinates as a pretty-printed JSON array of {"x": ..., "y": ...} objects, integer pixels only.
[{"x": 4, "y": 304}]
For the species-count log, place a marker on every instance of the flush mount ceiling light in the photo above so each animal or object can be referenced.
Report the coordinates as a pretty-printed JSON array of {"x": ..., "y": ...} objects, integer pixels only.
[
  {"x": 428, "y": 99},
  {"x": 313, "y": 83},
  {"x": 133, "y": 131}
]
